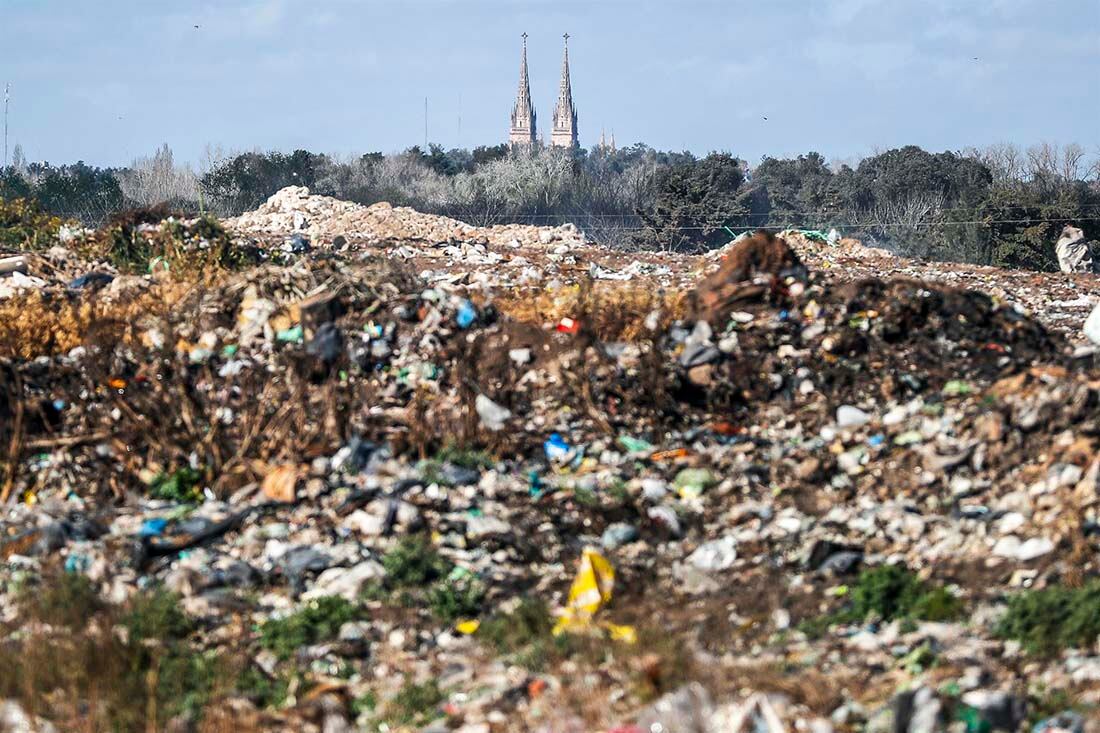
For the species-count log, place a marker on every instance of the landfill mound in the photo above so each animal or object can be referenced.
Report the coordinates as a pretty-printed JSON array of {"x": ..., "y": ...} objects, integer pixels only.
[
  {"x": 295, "y": 209},
  {"x": 335, "y": 490}
]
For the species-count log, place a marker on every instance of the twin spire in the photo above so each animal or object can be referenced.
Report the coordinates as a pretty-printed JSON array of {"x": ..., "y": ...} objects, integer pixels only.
[
  {"x": 523, "y": 113},
  {"x": 564, "y": 129}
]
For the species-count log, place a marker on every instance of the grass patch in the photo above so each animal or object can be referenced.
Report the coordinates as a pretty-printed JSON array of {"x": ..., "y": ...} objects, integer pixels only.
[
  {"x": 1048, "y": 620},
  {"x": 262, "y": 690},
  {"x": 889, "y": 593},
  {"x": 611, "y": 311},
  {"x": 524, "y": 634},
  {"x": 90, "y": 677},
  {"x": 464, "y": 457},
  {"x": 508, "y": 633},
  {"x": 317, "y": 621},
  {"x": 433, "y": 472},
  {"x": 415, "y": 704},
  {"x": 365, "y": 703},
  {"x": 417, "y": 574},
  {"x": 35, "y": 323},
  {"x": 69, "y": 600}
]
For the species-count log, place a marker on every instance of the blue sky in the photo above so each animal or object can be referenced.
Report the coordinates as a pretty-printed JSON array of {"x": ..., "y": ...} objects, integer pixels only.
[{"x": 108, "y": 80}]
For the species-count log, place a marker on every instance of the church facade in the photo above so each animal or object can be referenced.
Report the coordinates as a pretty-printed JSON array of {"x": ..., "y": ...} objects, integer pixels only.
[{"x": 563, "y": 131}]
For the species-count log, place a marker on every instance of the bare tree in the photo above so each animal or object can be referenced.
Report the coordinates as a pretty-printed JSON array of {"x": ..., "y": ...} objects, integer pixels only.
[
  {"x": 1004, "y": 160},
  {"x": 912, "y": 211},
  {"x": 156, "y": 180},
  {"x": 1073, "y": 162}
]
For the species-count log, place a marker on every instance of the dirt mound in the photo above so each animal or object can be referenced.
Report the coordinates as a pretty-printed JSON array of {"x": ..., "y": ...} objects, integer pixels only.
[
  {"x": 295, "y": 209},
  {"x": 761, "y": 264}
]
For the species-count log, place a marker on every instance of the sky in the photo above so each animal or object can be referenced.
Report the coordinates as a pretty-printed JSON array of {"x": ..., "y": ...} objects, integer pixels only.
[{"x": 106, "y": 81}]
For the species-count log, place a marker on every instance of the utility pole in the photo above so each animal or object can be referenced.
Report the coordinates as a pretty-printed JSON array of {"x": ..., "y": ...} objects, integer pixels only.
[
  {"x": 7, "y": 98},
  {"x": 425, "y": 125}
]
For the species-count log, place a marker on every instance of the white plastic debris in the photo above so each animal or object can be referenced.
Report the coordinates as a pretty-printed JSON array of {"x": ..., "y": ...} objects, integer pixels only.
[{"x": 493, "y": 416}]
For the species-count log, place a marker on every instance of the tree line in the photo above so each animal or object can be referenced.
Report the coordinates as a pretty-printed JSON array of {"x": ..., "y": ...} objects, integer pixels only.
[{"x": 1001, "y": 205}]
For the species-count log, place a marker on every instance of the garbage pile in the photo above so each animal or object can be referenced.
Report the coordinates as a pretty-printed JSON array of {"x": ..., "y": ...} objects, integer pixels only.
[
  {"x": 328, "y": 493},
  {"x": 295, "y": 209}
]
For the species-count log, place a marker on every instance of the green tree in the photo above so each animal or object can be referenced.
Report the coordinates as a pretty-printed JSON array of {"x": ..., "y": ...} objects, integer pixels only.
[
  {"x": 696, "y": 202},
  {"x": 800, "y": 190}
]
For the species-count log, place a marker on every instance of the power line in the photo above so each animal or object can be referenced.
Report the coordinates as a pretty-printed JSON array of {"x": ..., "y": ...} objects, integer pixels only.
[
  {"x": 585, "y": 215},
  {"x": 718, "y": 224}
]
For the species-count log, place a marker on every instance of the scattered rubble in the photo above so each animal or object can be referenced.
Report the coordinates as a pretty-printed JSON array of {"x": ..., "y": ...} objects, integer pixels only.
[{"x": 322, "y": 218}]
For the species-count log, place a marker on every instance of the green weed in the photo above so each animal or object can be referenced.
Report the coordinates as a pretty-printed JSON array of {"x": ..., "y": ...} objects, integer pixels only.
[
  {"x": 459, "y": 595},
  {"x": 415, "y": 704},
  {"x": 414, "y": 562},
  {"x": 181, "y": 486},
  {"x": 319, "y": 620}
]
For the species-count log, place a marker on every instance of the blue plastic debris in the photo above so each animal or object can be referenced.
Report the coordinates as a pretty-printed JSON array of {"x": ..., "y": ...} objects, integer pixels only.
[
  {"x": 92, "y": 279},
  {"x": 876, "y": 440},
  {"x": 153, "y": 527},
  {"x": 466, "y": 314},
  {"x": 556, "y": 448},
  {"x": 535, "y": 486},
  {"x": 1064, "y": 721}
]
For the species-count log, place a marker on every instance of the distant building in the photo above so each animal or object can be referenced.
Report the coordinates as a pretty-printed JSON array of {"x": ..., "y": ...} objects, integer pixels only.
[
  {"x": 604, "y": 145},
  {"x": 523, "y": 132},
  {"x": 523, "y": 112},
  {"x": 564, "y": 133}
]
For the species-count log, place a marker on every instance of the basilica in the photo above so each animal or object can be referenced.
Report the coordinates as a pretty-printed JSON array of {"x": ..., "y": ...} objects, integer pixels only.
[{"x": 564, "y": 130}]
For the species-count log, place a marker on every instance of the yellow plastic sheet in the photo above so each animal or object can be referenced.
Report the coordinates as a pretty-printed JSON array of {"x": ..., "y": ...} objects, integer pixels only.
[
  {"x": 467, "y": 627},
  {"x": 590, "y": 591}
]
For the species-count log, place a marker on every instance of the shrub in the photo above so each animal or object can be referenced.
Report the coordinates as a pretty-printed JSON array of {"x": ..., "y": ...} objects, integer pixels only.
[
  {"x": 143, "y": 240},
  {"x": 888, "y": 593},
  {"x": 460, "y": 595},
  {"x": 414, "y": 562},
  {"x": 891, "y": 592},
  {"x": 318, "y": 620},
  {"x": 1048, "y": 620},
  {"x": 23, "y": 225}
]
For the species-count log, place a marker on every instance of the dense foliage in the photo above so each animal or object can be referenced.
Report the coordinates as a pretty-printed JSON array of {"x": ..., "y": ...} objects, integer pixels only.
[{"x": 1000, "y": 205}]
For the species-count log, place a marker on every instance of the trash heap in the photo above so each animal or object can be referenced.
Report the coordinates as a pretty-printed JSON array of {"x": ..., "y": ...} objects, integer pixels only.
[
  {"x": 322, "y": 492},
  {"x": 295, "y": 209}
]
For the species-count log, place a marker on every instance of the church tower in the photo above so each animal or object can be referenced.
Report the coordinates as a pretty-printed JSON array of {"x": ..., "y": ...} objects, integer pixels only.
[
  {"x": 564, "y": 133},
  {"x": 523, "y": 113}
]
